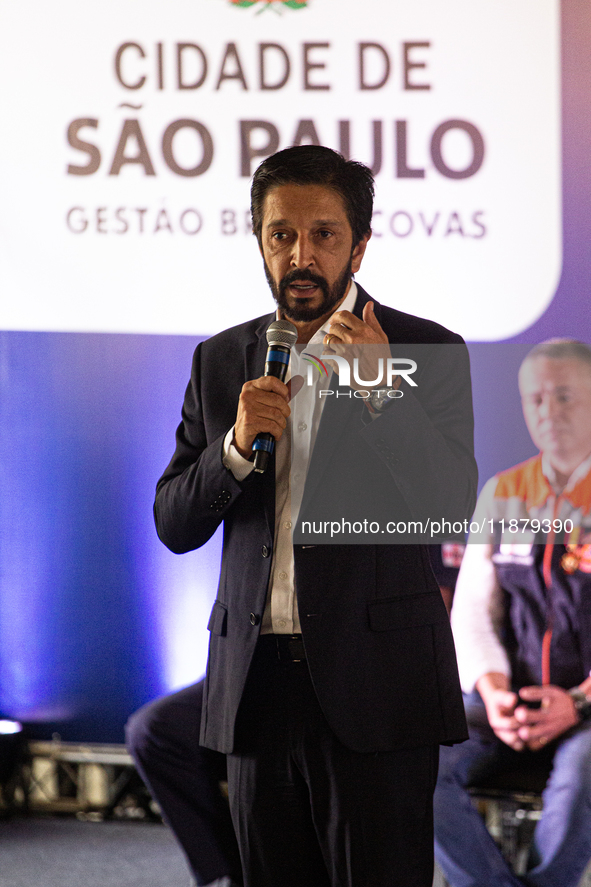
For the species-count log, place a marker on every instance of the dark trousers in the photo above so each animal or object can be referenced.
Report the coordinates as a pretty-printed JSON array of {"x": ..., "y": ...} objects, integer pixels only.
[
  {"x": 163, "y": 738},
  {"x": 310, "y": 812}
]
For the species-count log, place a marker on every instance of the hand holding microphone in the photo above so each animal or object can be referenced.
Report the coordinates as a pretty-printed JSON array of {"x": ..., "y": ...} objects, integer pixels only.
[{"x": 263, "y": 407}]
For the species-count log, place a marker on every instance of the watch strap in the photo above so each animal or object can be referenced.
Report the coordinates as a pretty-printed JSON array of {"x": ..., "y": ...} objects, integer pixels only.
[{"x": 582, "y": 703}]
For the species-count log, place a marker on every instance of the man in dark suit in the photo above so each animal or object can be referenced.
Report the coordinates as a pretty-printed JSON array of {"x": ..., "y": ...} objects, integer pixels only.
[{"x": 331, "y": 675}]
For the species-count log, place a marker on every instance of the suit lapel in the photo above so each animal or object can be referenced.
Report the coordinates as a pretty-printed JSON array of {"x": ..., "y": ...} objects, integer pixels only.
[
  {"x": 256, "y": 350},
  {"x": 337, "y": 416}
]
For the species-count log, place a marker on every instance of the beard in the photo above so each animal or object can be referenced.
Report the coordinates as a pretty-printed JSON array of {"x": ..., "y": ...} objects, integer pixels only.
[{"x": 302, "y": 310}]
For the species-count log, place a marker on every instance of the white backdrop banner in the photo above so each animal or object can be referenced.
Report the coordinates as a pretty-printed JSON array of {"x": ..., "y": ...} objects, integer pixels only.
[{"x": 130, "y": 130}]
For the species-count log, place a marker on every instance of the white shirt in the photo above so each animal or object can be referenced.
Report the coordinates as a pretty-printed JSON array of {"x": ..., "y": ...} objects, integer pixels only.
[{"x": 292, "y": 451}]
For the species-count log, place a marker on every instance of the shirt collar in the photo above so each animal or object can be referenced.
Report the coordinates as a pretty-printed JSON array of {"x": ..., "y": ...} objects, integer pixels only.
[
  {"x": 347, "y": 305},
  {"x": 580, "y": 472}
]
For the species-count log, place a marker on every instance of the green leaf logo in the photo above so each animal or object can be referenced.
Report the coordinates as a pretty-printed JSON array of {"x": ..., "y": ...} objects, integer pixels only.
[{"x": 274, "y": 5}]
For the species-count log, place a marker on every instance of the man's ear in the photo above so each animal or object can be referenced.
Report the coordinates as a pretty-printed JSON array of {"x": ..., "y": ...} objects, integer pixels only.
[{"x": 359, "y": 252}]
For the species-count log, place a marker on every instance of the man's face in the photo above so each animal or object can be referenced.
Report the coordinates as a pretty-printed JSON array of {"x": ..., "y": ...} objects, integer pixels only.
[
  {"x": 307, "y": 247},
  {"x": 556, "y": 399}
]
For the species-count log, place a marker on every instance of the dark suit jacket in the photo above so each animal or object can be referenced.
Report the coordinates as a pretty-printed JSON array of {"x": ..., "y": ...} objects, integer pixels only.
[{"x": 376, "y": 632}]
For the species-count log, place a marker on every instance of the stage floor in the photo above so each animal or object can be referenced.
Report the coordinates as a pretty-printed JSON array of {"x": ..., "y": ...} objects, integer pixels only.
[{"x": 65, "y": 852}]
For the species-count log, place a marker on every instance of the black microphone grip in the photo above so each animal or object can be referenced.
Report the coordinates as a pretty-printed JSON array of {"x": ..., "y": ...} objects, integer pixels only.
[
  {"x": 264, "y": 443},
  {"x": 281, "y": 336}
]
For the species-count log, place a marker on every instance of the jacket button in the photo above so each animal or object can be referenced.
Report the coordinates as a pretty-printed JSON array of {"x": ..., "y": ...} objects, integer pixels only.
[
  {"x": 254, "y": 619},
  {"x": 265, "y": 551}
]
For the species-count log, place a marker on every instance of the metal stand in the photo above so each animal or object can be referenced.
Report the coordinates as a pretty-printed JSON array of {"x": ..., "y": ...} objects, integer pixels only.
[{"x": 91, "y": 780}]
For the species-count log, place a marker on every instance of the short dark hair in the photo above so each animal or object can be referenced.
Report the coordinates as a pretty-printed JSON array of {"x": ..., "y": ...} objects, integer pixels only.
[{"x": 316, "y": 165}]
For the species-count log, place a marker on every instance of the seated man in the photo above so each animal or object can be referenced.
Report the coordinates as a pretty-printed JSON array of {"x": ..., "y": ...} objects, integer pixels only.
[
  {"x": 522, "y": 627},
  {"x": 184, "y": 777}
]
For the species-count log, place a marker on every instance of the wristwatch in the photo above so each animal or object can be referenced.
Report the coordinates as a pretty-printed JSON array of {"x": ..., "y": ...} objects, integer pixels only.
[
  {"x": 381, "y": 398},
  {"x": 582, "y": 703}
]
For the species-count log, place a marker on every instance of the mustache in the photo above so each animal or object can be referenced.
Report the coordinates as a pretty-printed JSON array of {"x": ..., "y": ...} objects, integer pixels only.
[{"x": 304, "y": 275}]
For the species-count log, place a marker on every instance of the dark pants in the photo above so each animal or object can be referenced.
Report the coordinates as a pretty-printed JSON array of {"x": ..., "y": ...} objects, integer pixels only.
[
  {"x": 184, "y": 778},
  {"x": 310, "y": 812}
]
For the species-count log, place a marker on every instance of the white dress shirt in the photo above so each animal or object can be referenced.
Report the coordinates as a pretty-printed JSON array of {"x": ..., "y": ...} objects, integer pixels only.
[{"x": 292, "y": 451}]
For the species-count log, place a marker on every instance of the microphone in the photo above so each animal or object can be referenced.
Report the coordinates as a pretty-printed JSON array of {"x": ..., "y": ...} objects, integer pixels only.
[{"x": 281, "y": 336}]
